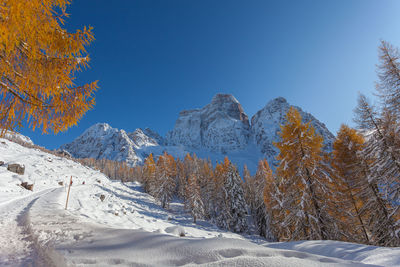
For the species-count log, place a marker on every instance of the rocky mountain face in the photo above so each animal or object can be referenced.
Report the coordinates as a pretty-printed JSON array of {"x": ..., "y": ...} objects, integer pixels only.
[
  {"x": 219, "y": 128},
  {"x": 265, "y": 125},
  {"x": 103, "y": 141}
]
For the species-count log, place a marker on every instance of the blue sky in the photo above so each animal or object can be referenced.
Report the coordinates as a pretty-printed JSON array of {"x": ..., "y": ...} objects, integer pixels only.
[{"x": 156, "y": 58}]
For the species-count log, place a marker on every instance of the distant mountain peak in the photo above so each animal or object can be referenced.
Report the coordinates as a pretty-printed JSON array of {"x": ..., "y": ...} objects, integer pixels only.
[
  {"x": 219, "y": 128},
  {"x": 278, "y": 100},
  {"x": 221, "y": 98},
  {"x": 100, "y": 125}
]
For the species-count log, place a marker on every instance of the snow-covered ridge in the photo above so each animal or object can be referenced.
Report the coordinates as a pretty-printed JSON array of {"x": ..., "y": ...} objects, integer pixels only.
[{"x": 219, "y": 129}]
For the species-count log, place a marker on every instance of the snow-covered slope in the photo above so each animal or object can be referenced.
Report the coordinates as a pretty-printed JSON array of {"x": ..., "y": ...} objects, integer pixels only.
[
  {"x": 129, "y": 228},
  {"x": 265, "y": 125},
  {"x": 219, "y": 129}
]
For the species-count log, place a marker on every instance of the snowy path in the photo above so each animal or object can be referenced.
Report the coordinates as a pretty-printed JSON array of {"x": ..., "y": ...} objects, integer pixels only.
[
  {"x": 18, "y": 246},
  {"x": 84, "y": 243}
]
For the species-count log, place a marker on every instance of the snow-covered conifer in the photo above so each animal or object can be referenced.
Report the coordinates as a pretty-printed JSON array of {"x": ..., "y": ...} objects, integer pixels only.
[
  {"x": 193, "y": 202},
  {"x": 149, "y": 174},
  {"x": 303, "y": 181},
  {"x": 255, "y": 187},
  {"x": 348, "y": 179},
  {"x": 166, "y": 178},
  {"x": 231, "y": 206},
  {"x": 381, "y": 157}
]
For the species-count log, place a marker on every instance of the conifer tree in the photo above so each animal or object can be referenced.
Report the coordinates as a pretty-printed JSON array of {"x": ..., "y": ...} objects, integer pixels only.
[
  {"x": 382, "y": 169},
  {"x": 348, "y": 205},
  {"x": 194, "y": 203},
  {"x": 166, "y": 178},
  {"x": 181, "y": 179},
  {"x": 384, "y": 123},
  {"x": 38, "y": 59},
  {"x": 206, "y": 182},
  {"x": 388, "y": 86},
  {"x": 149, "y": 174},
  {"x": 248, "y": 187},
  {"x": 232, "y": 209},
  {"x": 272, "y": 200},
  {"x": 219, "y": 213},
  {"x": 303, "y": 181},
  {"x": 255, "y": 198}
]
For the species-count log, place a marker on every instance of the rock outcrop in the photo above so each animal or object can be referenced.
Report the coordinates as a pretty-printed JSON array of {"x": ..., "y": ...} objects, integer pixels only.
[
  {"x": 220, "y": 126},
  {"x": 265, "y": 125},
  {"x": 103, "y": 141}
]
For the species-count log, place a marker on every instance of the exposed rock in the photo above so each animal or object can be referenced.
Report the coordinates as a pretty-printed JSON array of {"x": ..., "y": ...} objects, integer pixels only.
[
  {"x": 140, "y": 139},
  {"x": 220, "y": 126},
  {"x": 17, "y": 168},
  {"x": 265, "y": 125},
  {"x": 1, "y": 163},
  {"x": 102, "y": 141},
  {"x": 102, "y": 197},
  {"x": 27, "y": 186},
  {"x": 155, "y": 136},
  {"x": 63, "y": 153}
]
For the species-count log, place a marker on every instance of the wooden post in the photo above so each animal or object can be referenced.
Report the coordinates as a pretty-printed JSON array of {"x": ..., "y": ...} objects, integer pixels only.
[{"x": 69, "y": 188}]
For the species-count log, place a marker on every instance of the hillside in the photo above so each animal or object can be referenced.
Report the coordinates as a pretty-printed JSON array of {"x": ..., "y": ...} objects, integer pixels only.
[{"x": 129, "y": 227}]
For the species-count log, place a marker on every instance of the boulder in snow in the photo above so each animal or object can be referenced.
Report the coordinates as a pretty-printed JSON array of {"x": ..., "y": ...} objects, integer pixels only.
[
  {"x": 27, "y": 186},
  {"x": 17, "y": 168}
]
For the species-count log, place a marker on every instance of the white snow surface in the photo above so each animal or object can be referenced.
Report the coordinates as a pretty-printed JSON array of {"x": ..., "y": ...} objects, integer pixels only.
[{"x": 129, "y": 228}]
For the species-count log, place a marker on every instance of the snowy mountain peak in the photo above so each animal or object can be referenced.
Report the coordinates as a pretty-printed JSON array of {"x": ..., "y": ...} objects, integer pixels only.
[
  {"x": 220, "y": 98},
  {"x": 228, "y": 104},
  {"x": 103, "y": 141},
  {"x": 99, "y": 127},
  {"x": 220, "y": 126},
  {"x": 265, "y": 125}
]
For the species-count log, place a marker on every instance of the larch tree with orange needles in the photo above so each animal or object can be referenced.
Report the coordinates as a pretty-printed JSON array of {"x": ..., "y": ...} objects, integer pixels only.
[
  {"x": 348, "y": 180},
  {"x": 38, "y": 59},
  {"x": 302, "y": 181}
]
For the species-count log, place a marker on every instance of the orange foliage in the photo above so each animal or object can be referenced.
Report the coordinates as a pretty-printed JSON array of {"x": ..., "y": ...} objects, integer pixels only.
[{"x": 37, "y": 61}]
